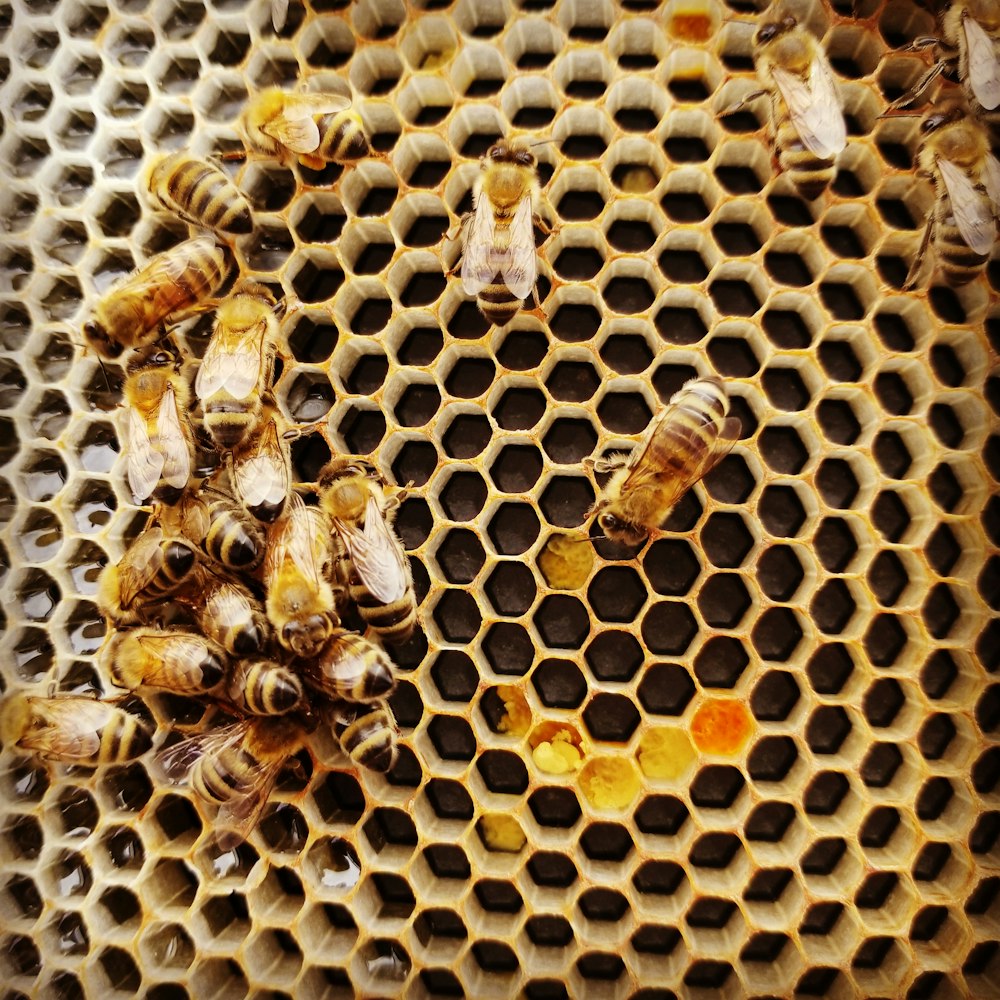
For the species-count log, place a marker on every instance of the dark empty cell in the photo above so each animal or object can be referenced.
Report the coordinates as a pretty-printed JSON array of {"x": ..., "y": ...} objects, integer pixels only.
[
  {"x": 935, "y": 735},
  {"x": 452, "y": 737},
  {"x": 838, "y": 421},
  {"x": 832, "y": 607},
  {"x": 503, "y": 772},
  {"x": 680, "y": 326},
  {"x": 509, "y": 649},
  {"x": 823, "y": 856},
  {"x": 882, "y": 702},
  {"x": 573, "y": 381},
  {"x": 779, "y": 572},
  {"x": 841, "y": 301},
  {"x": 892, "y": 270},
  {"x": 371, "y": 316},
  {"x": 318, "y": 284},
  {"x": 785, "y": 389},
  {"x": 842, "y": 241},
  {"x": 666, "y": 689},
  {"x": 723, "y": 600},
  {"x": 470, "y": 377},
  {"x": 514, "y": 528},
  {"x": 423, "y": 288},
  {"x": 767, "y": 885},
  {"x": 946, "y": 305},
  {"x": 517, "y": 468},
  {"x": 733, "y": 297},
  {"x": 687, "y": 149},
  {"x": 945, "y": 487},
  {"x": 426, "y": 231},
  {"x": 710, "y": 912},
  {"x": 839, "y": 361},
  {"x": 612, "y": 718},
  {"x": 837, "y": 483},
  {"x": 628, "y": 295},
  {"x": 312, "y": 340},
  {"x": 614, "y": 656},
  {"x": 449, "y": 799},
  {"x": 890, "y": 516},
  {"x": 362, "y": 430},
  {"x": 892, "y": 455},
  {"x": 684, "y": 267},
  {"x": 781, "y": 511},
  {"x": 948, "y": 368},
  {"x": 782, "y": 449},
  {"x": 988, "y": 709},
  {"x": 653, "y": 939},
  {"x": 583, "y": 146},
  {"x": 413, "y": 522},
  {"x": 575, "y": 322},
  {"x": 461, "y": 556},
  {"x": 511, "y": 589},
  {"x": 715, "y": 850},
  {"x": 946, "y": 425},
  {"x": 984, "y": 834},
  {"x": 876, "y": 890},
  {"x": 378, "y": 200},
  {"x": 519, "y": 409},
  {"x": 494, "y": 957},
  {"x": 986, "y": 771},
  {"x": 737, "y": 239},
  {"x": 733, "y": 357},
  {"x": 820, "y": 919},
  {"x": 774, "y": 696},
  {"x": 716, "y": 786},
  {"x": 374, "y": 258},
  {"x": 600, "y": 966},
  {"x": 421, "y": 347},
  {"x": 885, "y": 640},
  {"x": 669, "y": 627},
  {"x": 559, "y": 683},
  {"x": 671, "y": 566},
  {"x": 637, "y": 119},
  {"x": 827, "y": 729},
  {"x": 772, "y": 758},
  {"x": 455, "y": 675},
  {"x": 417, "y": 405},
  {"x": 563, "y": 621},
  {"x": 887, "y": 577},
  {"x": 555, "y": 807},
  {"x": 566, "y": 500},
  {"x": 769, "y": 821},
  {"x": 720, "y": 662},
  {"x": 789, "y": 211},
  {"x": 466, "y": 436},
  {"x": 938, "y": 674},
  {"x": 776, "y": 634},
  {"x": 825, "y": 793},
  {"x": 787, "y": 268},
  {"x": 725, "y": 540},
  {"x": 940, "y": 611},
  {"x": 616, "y": 594},
  {"x": 786, "y": 329},
  {"x": 683, "y": 206},
  {"x": 631, "y": 235},
  {"x": 458, "y": 616},
  {"x": 624, "y": 413},
  {"x": 317, "y": 225}
]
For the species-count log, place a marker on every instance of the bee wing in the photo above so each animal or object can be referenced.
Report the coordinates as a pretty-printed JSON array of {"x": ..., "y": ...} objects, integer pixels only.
[
  {"x": 140, "y": 565},
  {"x": 976, "y": 224},
  {"x": 174, "y": 651},
  {"x": 377, "y": 555},
  {"x": 263, "y": 477},
  {"x": 295, "y": 128},
  {"x": 66, "y": 728},
  {"x": 173, "y": 444},
  {"x": 145, "y": 463},
  {"x": 519, "y": 265},
  {"x": 814, "y": 107},
  {"x": 479, "y": 264},
  {"x": 174, "y": 764},
  {"x": 293, "y": 539},
  {"x": 984, "y": 67},
  {"x": 279, "y": 13},
  {"x": 232, "y": 362},
  {"x": 238, "y": 816},
  {"x": 991, "y": 180}
]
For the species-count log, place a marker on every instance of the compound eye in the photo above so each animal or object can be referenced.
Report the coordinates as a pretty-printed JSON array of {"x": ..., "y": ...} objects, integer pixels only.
[
  {"x": 162, "y": 358},
  {"x": 932, "y": 123},
  {"x": 767, "y": 33},
  {"x": 610, "y": 523},
  {"x": 788, "y": 23}
]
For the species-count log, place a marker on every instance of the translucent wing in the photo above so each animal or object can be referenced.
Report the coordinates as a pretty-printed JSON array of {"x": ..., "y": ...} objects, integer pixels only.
[
  {"x": 262, "y": 476},
  {"x": 145, "y": 463},
  {"x": 377, "y": 555},
  {"x": 140, "y": 565},
  {"x": 238, "y": 815},
  {"x": 293, "y": 538},
  {"x": 519, "y": 265},
  {"x": 232, "y": 362},
  {"x": 971, "y": 210},
  {"x": 173, "y": 443},
  {"x": 174, "y": 651},
  {"x": 984, "y": 68},
  {"x": 66, "y": 728},
  {"x": 174, "y": 764},
  {"x": 814, "y": 108},
  {"x": 991, "y": 180},
  {"x": 279, "y": 13},
  {"x": 295, "y": 128},
  {"x": 479, "y": 263}
]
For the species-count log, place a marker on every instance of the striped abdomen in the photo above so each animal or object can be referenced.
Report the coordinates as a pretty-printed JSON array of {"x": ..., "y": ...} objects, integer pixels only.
[
  {"x": 960, "y": 264},
  {"x": 226, "y": 775},
  {"x": 389, "y": 622},
  {"x": 497, "y": 303},
  {"x": 367, "y": 735},
  {"x": 810, "y": 175},
  {"x": 192, "y": 271},
  {"x": 266, "y": 688},
  {"x": 178, "y": 559},
  {"x": 202, "y": 193},
  {"x": 232, "y": 539},
  {"x": 342, "y": 137}
]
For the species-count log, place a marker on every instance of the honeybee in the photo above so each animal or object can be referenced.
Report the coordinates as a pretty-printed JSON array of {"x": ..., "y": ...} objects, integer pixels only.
[
  {"x": 171, "y": 286},
  {"x": 73, "y": 729},
  {"x": 261, "y": 469},
  {"x": 159, "y": 439},
  {"x": 300, "y": 599},
  {"x": 807, "y": 116},
  {"x": 199, "y": 192},
  {"x": 228, "y": 613},
  {"x": 690, "y": 437},
  {"x": 152, "y": 569},
  {"x": 377, "y": 571},
  {"x": 236, "y": 369},
  {"x": 263, "y": 687},
  {"x": 316, "y": 129},
  {"x": 499, "y": 265},
  {"x": 164, "y": 658},
  {"x": 955, "y": 154},
  {"x": 234, "y": 767},
  {"x": 220, "y": 525},
  {"x": 367, "y": 733},
  {"x": 350, "y": 666}
]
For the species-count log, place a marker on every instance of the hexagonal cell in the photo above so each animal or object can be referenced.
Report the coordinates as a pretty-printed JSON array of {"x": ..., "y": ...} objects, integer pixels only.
[
  {"x": 611, "y": 718},
  {"x": 461, "y": 556},
  {"x": 559, "y": 683}
]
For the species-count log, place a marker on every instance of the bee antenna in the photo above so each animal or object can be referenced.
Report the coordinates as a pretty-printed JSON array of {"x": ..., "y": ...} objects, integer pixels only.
[
  {"x": 541, "y": 142},
  {"x": 886, "y": 115}
]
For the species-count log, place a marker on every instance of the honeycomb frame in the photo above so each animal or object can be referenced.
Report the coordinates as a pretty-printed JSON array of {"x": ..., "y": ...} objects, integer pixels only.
[{"x": 789, "y": 696}]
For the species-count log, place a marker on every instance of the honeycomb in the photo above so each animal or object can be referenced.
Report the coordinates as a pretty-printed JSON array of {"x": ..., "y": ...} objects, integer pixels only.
[{"x": 757, "y": 759}]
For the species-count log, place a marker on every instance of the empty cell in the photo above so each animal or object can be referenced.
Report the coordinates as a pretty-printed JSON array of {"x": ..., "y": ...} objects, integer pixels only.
[
  {"x": 516, "y": 468},
  {"x": 519, "y": 408}
]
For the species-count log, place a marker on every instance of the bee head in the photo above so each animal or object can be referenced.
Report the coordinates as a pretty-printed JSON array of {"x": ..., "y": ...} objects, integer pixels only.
[
  {"x": 508, "y": 152},
  {"x": 102, "y": 341},
  {"x": 621, "y": 531},
  {"x": 939, "y": 119},
  {"x": 768, "y": 32},
  {"x": 305, "y": 636}
]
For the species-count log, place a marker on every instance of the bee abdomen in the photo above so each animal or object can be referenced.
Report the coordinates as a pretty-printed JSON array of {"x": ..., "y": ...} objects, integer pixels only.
[
  {"x": 124, "y": 740},
  {"x": 497, "y": 303},
  {"x": 391, "y": 622},
  {"x": 369, "y": 739},
  {"x": 342, "y": 138},
  {"x": 959, "y": 262},
  {"x": 810, "y": 174},
  {"x": 231, "y": 542},
  {"x": 228, "y": 421},
  {"x": 268, "y": 688},
  {"x": 206, "y": 193},
  {"x": 178, "y": 561},
  {"x": 221, "y": 779}
]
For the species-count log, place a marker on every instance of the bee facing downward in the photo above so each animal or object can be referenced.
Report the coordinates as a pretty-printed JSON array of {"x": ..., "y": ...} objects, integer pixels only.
[
  {"x": 499, "y": 263},
  {"x": 807, "y": 118},
  {"x": 171, "y": 286},
  {"x": 315, "y": 129},
  {"x": 687, "y": 441},
  {"x": 954, "y": 153},
  {"x": 159, "y": 439},
  {"x": 261, "y": 468}
]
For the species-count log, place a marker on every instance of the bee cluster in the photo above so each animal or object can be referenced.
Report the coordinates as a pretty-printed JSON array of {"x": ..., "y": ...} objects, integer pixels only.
[{"x": 235, "y": 589}]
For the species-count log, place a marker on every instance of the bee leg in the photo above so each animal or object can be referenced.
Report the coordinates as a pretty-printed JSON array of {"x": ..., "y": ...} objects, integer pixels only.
[
  {"x": 607, "y": 464},
  {"x": 920, "y": 43},
  {"x": 742, "y": 103},
  {"x": 911, "y": 278},
  {"x": 921, "y": 85},
  {"x": 233, "y": 154}
]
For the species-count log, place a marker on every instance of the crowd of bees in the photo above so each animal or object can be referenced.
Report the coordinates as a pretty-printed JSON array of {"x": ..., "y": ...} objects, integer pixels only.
[{"x": 237, "y": 588}]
